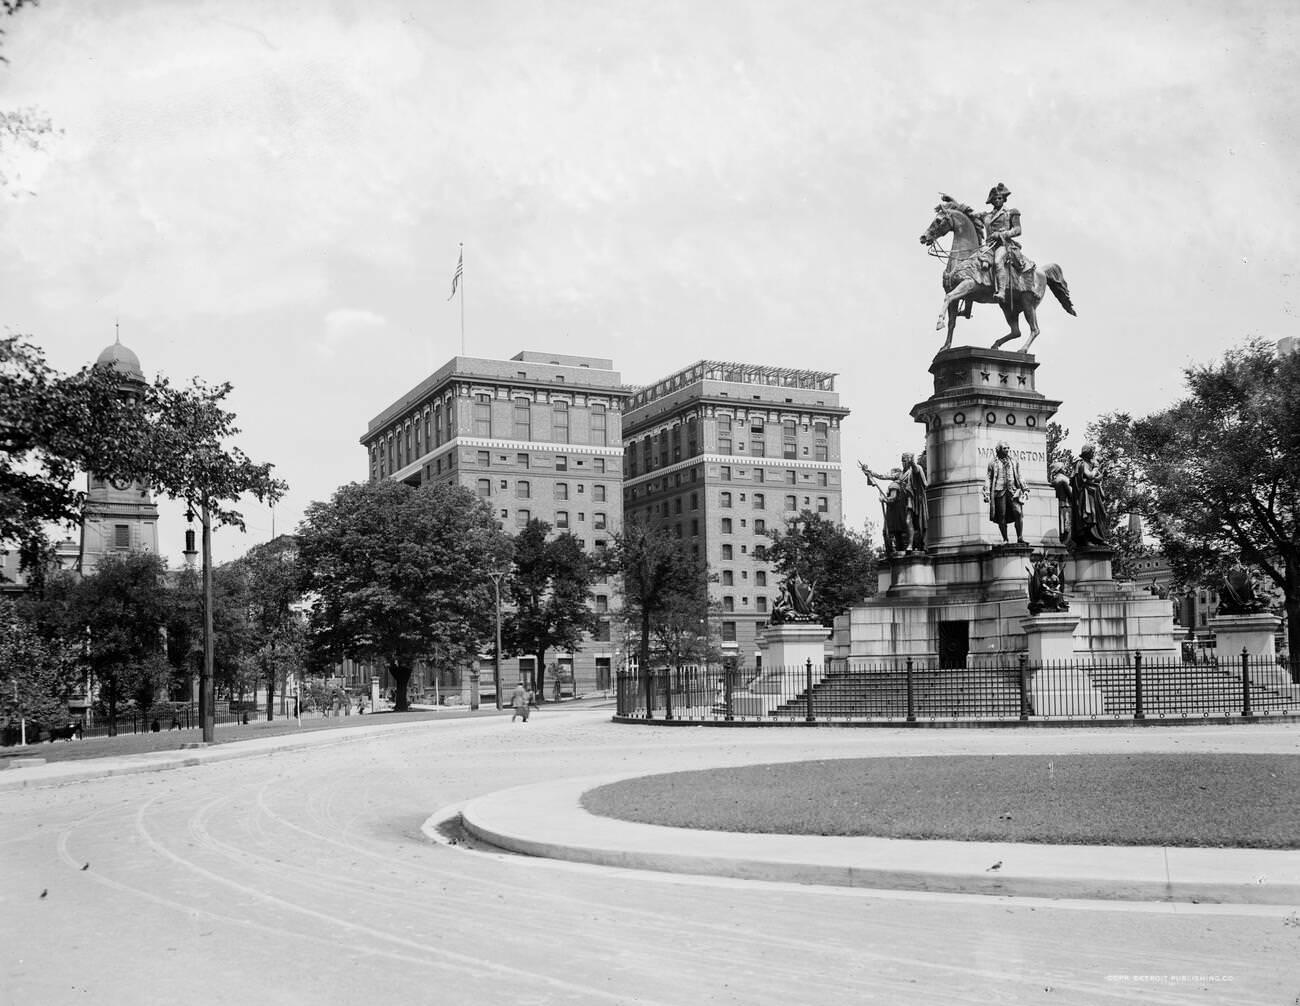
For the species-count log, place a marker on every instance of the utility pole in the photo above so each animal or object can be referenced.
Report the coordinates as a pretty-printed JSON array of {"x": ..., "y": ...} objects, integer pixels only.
[{"x": 497, "y": 575}]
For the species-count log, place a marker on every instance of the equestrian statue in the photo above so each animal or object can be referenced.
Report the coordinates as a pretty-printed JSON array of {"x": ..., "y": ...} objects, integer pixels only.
[{"x": 986, "y": 265}]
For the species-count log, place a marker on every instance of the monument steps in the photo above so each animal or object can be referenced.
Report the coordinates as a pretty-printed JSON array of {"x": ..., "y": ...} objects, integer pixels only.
[
  {"x": 958, "y": 692},
  {"x": 1174, "y": 689},
  {"x": 995, "y": 692}
]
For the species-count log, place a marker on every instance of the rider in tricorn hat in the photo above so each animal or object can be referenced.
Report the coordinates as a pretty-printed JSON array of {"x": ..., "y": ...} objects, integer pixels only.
[{"x": 1001, "y": 228}]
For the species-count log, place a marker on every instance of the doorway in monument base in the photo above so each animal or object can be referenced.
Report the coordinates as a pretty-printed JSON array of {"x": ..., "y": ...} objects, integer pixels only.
[{"x": 954, "y": 643}]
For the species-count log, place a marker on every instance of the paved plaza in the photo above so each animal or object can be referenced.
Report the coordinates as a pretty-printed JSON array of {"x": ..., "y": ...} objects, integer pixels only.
[{"x": 286, "y": 870}]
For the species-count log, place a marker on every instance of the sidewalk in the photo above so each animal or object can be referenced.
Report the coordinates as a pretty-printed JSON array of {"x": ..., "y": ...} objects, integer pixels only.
[
  {"x": 23, "y": 768},
  {"x": 546, "y": 820}
]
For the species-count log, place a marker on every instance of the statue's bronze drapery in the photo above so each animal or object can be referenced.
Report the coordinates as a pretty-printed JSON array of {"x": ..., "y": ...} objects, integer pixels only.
[{"x": 904, "y": 504}]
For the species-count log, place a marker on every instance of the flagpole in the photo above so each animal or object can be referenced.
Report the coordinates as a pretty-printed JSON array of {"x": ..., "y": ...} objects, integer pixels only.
[{"x": 462, "y": 298}]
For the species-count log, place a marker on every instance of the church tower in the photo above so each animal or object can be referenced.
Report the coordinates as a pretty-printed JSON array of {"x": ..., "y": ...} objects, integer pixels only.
[{"x": 119, "y": 516}]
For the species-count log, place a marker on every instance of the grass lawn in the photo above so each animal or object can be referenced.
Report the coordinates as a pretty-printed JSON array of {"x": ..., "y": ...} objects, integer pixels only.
[{"x": 1212, "y": 800}]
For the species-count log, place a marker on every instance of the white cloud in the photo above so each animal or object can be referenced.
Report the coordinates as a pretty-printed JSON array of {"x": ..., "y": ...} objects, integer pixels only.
[{"x": 344, "y": 325}]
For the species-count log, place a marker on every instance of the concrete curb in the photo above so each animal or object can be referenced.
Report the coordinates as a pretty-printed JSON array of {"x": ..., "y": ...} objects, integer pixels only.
[{"x": 547, "y": 820}]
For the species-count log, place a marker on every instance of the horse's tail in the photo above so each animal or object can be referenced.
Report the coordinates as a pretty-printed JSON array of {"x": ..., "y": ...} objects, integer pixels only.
[{"x": 1061, "y": 289}]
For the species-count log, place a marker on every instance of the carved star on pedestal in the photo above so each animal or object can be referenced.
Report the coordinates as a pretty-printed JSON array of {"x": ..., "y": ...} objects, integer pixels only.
[
  {"x": 984, "y": 375},
  {"x": 1002, "y": 378},
  {"x": 1020, "y": 378}
]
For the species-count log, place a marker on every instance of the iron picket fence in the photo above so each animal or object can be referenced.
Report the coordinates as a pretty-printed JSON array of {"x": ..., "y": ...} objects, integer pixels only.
[{"x": 1123, "y": 686}]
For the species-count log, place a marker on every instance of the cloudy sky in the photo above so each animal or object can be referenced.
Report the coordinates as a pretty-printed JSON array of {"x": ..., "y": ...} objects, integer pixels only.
[{"x": 272, "y": 194}]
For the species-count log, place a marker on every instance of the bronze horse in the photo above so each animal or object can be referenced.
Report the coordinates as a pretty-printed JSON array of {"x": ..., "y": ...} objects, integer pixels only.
[{"x": 968, "y": 277}]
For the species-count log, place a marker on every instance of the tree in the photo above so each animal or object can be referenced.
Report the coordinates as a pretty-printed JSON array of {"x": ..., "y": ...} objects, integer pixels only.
[
  {"x": 1219, "y": 471},
  {"x": 185, "y": 456},
  {"x": 271, "y": 581},
  {"x": 659, "y": 576},
  {"x": 37, "y": 674},
  {"x": 1124, "y": 492},
  {"x": 685, "y": 631},
  {"x": 550, "y": 590},
  {"x": 1057, "y": 451},
  {"x": 52, "y": 426},
  {"x": 120, "y": 612},
  {"x": 838, "y": 561},
  {"x": 1124, "y": 496},
  {"x": 397, "y": 573}
]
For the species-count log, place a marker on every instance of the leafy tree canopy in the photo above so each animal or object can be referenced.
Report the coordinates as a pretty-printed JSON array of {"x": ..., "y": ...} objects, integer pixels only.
[
  {"x": 549, "y": 590},
  {"x": 1218, "y": 473},
  {"x": 838, "y": 561},
  {"x": 659, "y": 577},
  {"x": 270, "y": 582},
  {"x": 53, "y": 426},
  {"x": 399, "y": 574},
  {"x": 37, "y": 673},
  {"x": 117, "y": 614},
  {"x": 187, "y": 452}
]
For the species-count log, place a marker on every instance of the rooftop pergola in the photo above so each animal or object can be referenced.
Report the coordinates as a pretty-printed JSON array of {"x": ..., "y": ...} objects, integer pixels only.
[{"x": 738, "y": 373}]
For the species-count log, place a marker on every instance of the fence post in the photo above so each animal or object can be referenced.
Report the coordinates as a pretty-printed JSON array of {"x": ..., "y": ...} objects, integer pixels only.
[
  {"x": 1138, "y": 713},
  {"x": 809, "y": 717},
  {"x": 911, "y": 697},
  {"x": 1024, "y": 687},
  {"x": 668, "y": 693},
  {"x": 1245, "y": 684},
  {"x": 649, "y": 693},
  {"x": 728, "y": 683}
]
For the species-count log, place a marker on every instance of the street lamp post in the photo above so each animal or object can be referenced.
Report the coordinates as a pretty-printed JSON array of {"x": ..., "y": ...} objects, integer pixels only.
[
  {"x": 207, "y": 710},
  {"x": 497, "y": 575}
]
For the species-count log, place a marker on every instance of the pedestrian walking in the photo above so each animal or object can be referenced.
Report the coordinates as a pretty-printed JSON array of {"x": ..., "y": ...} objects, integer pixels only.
[{"x": 519, "y": 702}]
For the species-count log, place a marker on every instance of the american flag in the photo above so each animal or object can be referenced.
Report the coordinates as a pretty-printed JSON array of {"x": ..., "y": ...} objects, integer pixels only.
[{"x": 460, "y": 269}]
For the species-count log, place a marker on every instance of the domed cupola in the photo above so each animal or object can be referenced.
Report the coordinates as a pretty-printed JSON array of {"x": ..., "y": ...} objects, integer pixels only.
[{"x": 121, "y": 360}]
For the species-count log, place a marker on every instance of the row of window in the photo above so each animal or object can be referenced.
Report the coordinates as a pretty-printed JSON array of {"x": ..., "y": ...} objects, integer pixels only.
[
  {"x": 670, "y": 445},
  {"x": 729, "y": 577},
  {"x": 523, "y": 460},
  {"x": 599, "y": 519},
  {"x": 791, "y": 477},
  {"x": 523, "y": 424},
  {"x": 524, "y": 489},
  {"x": 729, "y": 603},
  {"x": 760, "y": 502},
  {"x": 791, "y": 503},
  {"x": 436, "y": 426}
]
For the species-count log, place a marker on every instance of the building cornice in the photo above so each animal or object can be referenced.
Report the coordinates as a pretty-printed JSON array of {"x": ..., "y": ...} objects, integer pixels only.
[
  {"x": 738, "y": 460},
  {"x": 706, "y": 406}
]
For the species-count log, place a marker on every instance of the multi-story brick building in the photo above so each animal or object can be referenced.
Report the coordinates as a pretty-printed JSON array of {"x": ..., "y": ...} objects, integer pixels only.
[
  {"x": 539, "y": 435},
  {"x": 722, "y": 453}
]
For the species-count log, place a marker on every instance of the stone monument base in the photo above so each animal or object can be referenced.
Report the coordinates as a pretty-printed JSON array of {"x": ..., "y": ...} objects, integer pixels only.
[
  {"x": 787, "y": 649},
  {"x": 1090, "y": 569},
  {"x": 1256, "y": 635},
  {"x": 911, "y": 575},
  {"x": 1049, "y": 636},
  {"x": 1006, "y": 568}
]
